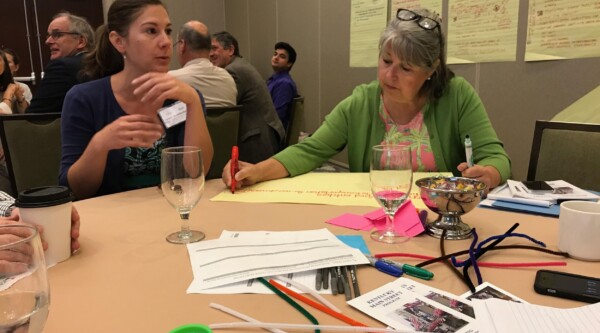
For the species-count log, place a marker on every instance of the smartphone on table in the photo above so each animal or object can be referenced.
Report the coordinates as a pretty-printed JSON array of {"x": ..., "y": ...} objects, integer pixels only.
[
  {"x": 566, "y": 285},
  {"x": 537, "y": 186}
]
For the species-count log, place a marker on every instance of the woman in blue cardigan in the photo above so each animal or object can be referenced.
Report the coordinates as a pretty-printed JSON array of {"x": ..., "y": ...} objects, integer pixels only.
[{"x": 111, "y": 133}]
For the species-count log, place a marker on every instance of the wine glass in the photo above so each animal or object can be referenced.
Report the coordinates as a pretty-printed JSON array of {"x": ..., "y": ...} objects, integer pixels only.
[
  {"x": 391, "y": 180},
  {"x": 24, "y": 290},
  {"x": 182, "y": 183}
]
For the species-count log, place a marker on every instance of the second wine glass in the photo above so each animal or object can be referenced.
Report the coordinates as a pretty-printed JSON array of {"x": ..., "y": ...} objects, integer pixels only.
[
  {"x": 391, "y": 181},
  {"x": 24, "y": 290},
  {"x": 182, "y": 183}
]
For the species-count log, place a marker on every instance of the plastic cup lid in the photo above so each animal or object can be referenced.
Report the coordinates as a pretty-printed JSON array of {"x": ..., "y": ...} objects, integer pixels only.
[
  {"x": 44, "y": 196},
  {"x": 192, "y": 328}
]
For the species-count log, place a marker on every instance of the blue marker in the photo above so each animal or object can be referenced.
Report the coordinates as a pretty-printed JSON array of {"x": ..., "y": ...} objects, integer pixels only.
[
  {"x": 384, "y": 267},
  {"x": 469, "y": 151}
]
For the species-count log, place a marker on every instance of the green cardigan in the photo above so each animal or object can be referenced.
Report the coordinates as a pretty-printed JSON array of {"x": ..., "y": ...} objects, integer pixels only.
[{"x": 355, "y": 123}]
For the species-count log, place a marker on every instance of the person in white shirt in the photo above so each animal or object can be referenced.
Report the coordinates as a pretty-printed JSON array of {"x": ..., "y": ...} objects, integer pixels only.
[{"x": 215, "y": 83}]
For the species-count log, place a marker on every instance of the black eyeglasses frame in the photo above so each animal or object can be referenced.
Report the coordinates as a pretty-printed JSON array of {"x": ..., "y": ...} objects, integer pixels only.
[{"x": 58, "y": 34}]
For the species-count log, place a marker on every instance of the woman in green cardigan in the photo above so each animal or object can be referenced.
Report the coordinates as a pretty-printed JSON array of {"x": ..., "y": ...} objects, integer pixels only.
[{"x": 416, "y": 100}]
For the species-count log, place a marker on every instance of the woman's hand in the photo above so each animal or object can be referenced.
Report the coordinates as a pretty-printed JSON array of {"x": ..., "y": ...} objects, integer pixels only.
[
  {"x": 486, "y": 174},
  {"x": 133, "y": 130},
  {"x": 154, "y": 88},
  {"x": 10, "y": 91},
  {"x": 250, "y": 174},
  {"x": 15, "y": 260}
]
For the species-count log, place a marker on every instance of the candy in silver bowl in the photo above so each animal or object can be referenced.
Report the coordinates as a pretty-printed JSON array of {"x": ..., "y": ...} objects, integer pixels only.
[{"x": 450, "y": 197}]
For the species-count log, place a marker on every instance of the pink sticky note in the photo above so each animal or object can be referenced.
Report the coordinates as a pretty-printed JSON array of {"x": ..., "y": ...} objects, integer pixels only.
[
  {"x": 376, "y": 215},
  {"x": 352, "y": 221},
  {"x": 406, "y": 220}
]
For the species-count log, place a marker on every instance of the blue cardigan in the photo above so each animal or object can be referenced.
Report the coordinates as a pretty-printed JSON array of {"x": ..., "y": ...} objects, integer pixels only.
[{"x": 87, "y": 108}]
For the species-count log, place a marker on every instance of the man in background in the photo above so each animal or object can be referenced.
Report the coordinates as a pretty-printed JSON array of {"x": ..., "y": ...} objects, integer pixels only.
[
  {"x": 261, "y": 132},
  {"x": 193, "y": 48},
  {"x": 69, "y": 37},
  {"x": 281, "y": 85}
]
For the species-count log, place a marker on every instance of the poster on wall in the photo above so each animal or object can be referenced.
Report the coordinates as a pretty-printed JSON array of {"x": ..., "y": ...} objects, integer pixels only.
[
  {"x": 482, "y": 31},
  {"x": 564, "y": 29},
  {"x": 367, "y": 20}
]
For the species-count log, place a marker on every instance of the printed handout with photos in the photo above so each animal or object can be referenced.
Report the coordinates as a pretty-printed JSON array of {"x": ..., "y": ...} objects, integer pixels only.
[
  {"x": 456, "y": 303},
  {"x": 487, "y": 290},
  {"x": 400, "y": 305}
]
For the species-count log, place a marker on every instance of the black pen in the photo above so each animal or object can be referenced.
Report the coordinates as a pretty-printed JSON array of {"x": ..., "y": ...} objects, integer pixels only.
[
  {"x": 334, "y": 284},
  {"x": 340, "y": 282},
  {"x": 354, "y": 280},
  {"x": 319, "y": 279},
  {"x": 347, "y": 291},
  {"x": 325, "y": 278}
]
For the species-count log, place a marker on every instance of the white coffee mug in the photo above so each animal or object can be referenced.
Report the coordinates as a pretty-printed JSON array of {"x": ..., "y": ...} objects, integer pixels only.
[
  {"x": 50, "y": 207},
  {"x": 579, "y": 229}
]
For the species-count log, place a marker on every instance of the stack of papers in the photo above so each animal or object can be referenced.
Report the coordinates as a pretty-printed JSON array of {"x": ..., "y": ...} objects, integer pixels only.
[
  {"x": 495, "y": 316},
  {"x": 407, "y": 304},
  {"x": 515, "y": 196},
  {"x": 220, "y": 265}
]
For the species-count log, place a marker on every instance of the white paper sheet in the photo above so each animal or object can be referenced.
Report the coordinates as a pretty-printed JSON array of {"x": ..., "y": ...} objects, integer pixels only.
[
  {"x": 224, "y": 261},
  {"x": 527, "y": 318}
]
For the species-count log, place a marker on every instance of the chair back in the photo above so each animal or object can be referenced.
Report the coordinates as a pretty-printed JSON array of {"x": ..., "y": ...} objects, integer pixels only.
[
  {"x": 295, "y": 124},
  {"x": 566, "y": 151},
  {"x": 223, "y": 125},
  {"x": 32, "y": 150}
]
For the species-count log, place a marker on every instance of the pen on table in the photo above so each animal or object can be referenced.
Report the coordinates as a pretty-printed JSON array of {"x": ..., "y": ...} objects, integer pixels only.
[
  {"x": 319, "y": 279},
  {"x": 333, "y": 284},
  {"x": 469, "y": 151},
  {"x": 346, "y": 284},
  {"x": 385, "y": 267},
  {"x": 354, "y": 280},
  {"x": 325, "y": 278},
  {"x": 410, "y": 269},
  {"x": 234, "y": 167},
  {"x": 340, "y": 281}
]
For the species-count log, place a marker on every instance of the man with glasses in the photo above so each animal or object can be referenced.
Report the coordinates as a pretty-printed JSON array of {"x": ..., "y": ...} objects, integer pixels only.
[
  {"x": 192, "y": 48},
  {"x": 69, "y": 38}
]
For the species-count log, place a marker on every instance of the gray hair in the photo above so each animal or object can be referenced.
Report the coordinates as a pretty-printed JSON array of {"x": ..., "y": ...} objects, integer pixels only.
[
  {"x": 419, "y": 47},
  {"x": 81, "y": 26}
]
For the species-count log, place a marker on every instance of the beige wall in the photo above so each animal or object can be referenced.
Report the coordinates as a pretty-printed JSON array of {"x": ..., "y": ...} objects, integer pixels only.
[{"x": 515, "y": 93}]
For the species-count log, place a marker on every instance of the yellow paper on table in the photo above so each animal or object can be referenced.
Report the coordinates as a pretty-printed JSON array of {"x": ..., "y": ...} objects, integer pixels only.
[{"x": 337, "y": 189}]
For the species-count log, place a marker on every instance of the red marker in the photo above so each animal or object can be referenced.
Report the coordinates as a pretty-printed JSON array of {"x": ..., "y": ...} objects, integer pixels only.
[{"x": 234, "y": 167}]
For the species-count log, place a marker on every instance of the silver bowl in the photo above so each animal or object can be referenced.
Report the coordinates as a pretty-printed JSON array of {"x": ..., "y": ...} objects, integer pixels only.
[{"x": 450, "y": 197}]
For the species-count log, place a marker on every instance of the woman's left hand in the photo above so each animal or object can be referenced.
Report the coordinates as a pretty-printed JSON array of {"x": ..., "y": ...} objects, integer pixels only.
[
  {"x": 154, "y": 88},
  {"x": 486, "y": 174}
]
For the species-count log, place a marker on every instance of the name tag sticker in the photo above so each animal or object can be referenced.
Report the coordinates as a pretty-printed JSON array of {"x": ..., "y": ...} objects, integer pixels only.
[{"x": 173, "y": 114}]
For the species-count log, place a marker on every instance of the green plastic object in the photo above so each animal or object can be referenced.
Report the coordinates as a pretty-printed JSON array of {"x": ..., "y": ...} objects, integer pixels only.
[{"x": 192, "y": 328}]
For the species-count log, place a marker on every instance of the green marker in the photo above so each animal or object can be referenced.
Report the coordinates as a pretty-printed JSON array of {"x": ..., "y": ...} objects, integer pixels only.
[{"x": 411, "y": 270}]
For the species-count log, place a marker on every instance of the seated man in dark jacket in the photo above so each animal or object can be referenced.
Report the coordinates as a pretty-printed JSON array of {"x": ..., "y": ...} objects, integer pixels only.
[{"x": 69, "y": 37}]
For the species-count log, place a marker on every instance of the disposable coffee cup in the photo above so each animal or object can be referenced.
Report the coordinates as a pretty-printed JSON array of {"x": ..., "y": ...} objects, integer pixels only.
[
  {"x": 579, "y": 229},
  {"x": 49, "y": 207}
]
